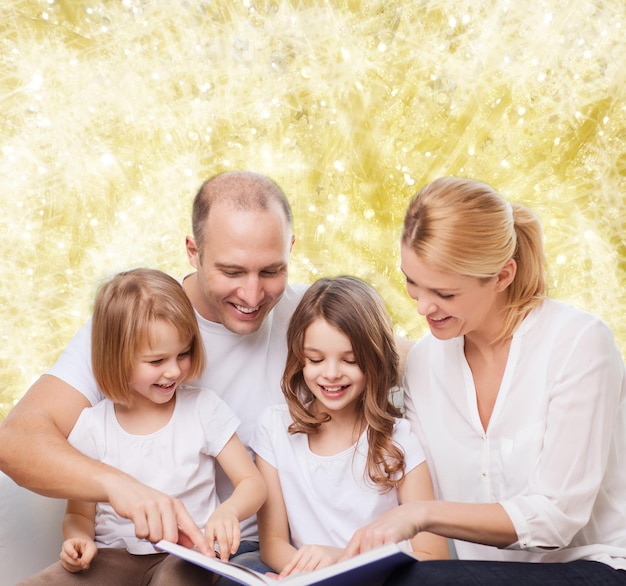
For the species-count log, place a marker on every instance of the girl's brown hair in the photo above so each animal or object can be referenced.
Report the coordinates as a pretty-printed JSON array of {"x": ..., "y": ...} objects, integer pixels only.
[
  {"x": 357, "y": 310},
  {"x": 125, "y": 310},
  {"x": 465, "y": 227}
]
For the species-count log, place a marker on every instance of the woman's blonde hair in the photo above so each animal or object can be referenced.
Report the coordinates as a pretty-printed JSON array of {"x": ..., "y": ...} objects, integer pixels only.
[
  {"x": 125, "y": 310},
  {"x": 465, "y": 227},
  {"x": 357, "y": 310}
]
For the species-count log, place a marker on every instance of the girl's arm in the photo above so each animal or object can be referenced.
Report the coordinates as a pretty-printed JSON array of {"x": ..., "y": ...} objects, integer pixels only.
[
  {"x": 275, "y": 545},
  {"x": 79, "y": 547},
  {"x": 79, "y": 520},
  {"x": 249, "y": 494},
  {"x": 417, "y": 486}
]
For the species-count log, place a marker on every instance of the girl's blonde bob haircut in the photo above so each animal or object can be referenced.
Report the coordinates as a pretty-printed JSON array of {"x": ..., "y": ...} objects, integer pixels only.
[
  {"x": 464, "y": 226},
  {"x": 125, "y": 311}
]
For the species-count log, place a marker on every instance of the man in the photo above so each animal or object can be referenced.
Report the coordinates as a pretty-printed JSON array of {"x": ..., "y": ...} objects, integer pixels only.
[{"x": 242, "y": 239}]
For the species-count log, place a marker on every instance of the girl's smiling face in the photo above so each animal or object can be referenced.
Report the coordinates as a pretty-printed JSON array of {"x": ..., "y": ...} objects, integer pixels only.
[
  {"x": 161, "y": 365},
  {"x": 330, "y": 370}
]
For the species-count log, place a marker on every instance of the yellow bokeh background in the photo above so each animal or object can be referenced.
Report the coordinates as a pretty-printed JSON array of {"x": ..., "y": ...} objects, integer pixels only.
[{"x": 113, "y": 113}]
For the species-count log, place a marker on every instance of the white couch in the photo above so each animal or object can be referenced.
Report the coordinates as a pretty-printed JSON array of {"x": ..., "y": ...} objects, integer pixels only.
[{"x": 30, "y": 531}]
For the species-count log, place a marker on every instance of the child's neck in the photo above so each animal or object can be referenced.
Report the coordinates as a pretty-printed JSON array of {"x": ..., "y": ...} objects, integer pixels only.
[
  {"x": 144, "y": 417},
  {"x": 337, "y": 435}
]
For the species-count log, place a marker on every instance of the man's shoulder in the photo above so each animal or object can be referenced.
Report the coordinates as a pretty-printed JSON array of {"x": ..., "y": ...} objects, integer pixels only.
[
  {"x": 197, "y": 398},
  {"x": 290, "y": 299},
  {"x": 274, "y": 420},
  {"x": 295, "y": 292},
  {"x": 277, "y": 411}
]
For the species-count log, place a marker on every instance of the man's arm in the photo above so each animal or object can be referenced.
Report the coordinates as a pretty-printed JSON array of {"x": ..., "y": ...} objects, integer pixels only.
[
  {"x": 33, "y": 442},
  {"x": 34, "y": 451}
]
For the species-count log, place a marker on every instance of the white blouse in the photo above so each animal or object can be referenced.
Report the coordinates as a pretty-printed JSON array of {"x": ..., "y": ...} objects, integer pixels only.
[{"x": 554, "y": 452}]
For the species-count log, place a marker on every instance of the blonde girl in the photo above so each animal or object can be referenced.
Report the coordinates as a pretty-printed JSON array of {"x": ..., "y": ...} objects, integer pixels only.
[{"x": 145, "y": 347}]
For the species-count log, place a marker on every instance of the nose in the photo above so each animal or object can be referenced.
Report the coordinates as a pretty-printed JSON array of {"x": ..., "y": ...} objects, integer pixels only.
[
  {"x": 425, "y": 305},
  {"x": 251, "y": 291},
  {"x": 172, "y": 370},
  {"x": 331, "y": 370}
]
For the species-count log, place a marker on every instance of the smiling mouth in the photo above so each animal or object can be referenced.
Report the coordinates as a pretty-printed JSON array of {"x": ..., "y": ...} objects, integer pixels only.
[
  {"x": 334, "y": 388},
  {"x": 167, "y": 387},
  {"x": 244, "y": 309}
]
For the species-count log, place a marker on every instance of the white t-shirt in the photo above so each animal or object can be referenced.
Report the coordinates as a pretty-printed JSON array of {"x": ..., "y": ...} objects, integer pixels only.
[
  {"x": 178, "y": 459},
  {"x": 554, "y": 453},
  {"x": 327, "y": 498},
  {"x": 244, "y": 370}
]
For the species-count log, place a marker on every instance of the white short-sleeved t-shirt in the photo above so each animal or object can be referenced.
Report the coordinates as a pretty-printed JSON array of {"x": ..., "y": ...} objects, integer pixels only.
[
  {"x": 178, "y": 459},
  {"x": 327, "y": 498}
]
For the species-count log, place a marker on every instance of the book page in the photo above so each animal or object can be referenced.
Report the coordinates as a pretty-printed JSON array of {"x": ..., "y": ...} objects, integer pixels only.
[
  {"x": 232, "y": 570},
  {"x": 369, "y": 568}
]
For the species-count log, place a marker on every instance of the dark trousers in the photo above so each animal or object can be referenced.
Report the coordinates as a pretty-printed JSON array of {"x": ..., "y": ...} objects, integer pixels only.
[{"x": 486, "y": 573}]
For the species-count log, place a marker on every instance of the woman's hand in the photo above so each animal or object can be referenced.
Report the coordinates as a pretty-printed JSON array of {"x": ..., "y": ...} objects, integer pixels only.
[{"x": 394, "y": 526}]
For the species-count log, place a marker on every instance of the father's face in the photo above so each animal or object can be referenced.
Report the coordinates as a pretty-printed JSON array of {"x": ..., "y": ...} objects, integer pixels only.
[{"x": 242, "y": 272}]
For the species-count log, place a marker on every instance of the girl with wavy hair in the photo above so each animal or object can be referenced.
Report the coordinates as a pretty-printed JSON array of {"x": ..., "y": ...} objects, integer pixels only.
[{"x": 337, "y": 454}]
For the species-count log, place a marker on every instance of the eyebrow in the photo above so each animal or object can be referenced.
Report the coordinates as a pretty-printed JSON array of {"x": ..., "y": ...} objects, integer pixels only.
[
  {"x": 311, "y": 349},
  {"x": 442, "y": 290},
  {"x": 221, "y": 265},
  {"x": 150, "y": 353}
]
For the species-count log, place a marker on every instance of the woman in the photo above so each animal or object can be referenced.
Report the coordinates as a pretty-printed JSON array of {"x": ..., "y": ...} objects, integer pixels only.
[{"x": 518, "y": 401}]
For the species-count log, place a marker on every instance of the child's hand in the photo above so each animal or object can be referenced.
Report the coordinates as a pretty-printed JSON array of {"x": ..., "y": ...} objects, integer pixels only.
[
  {"x": 77, "y": 554},
  {"x": 223, "y": 528},
  {"x": 311, "y": 557}
]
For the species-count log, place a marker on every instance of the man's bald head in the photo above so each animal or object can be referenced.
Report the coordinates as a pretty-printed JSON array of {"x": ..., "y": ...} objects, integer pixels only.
[{"x": 242, "y": 190}]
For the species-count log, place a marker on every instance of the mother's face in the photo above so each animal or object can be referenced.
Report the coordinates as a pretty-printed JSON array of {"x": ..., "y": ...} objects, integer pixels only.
[{"x": 453, "y": 305}]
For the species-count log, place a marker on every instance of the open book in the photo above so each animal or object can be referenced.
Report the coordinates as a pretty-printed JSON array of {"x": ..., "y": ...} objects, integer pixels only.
[{"x": 367, "y": 569}]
